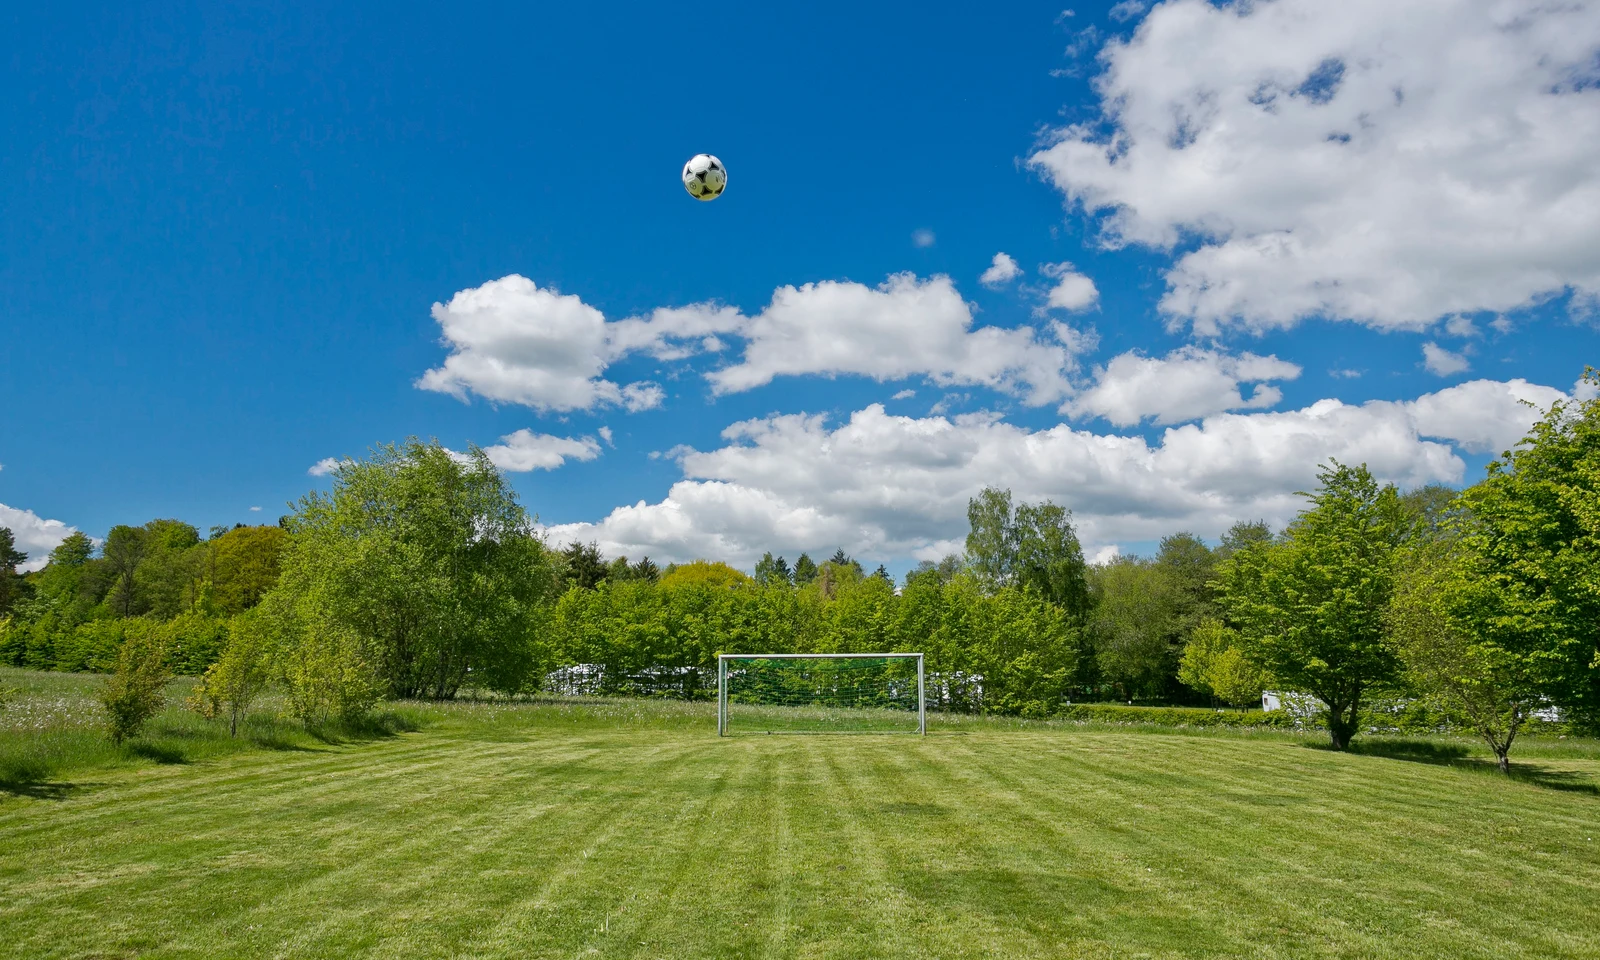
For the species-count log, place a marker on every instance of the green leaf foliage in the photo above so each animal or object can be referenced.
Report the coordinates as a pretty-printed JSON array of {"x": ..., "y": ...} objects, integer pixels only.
[{"x": 1310, "y": 608}]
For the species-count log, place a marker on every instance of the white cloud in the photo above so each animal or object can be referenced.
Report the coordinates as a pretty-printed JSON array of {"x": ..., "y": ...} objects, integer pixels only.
[
  {"x": 525, "y": 450},
  {"x": 904, "y": 395},
  {"x": 923, "y": 238},
  {"x": 255, "y": 509},
  {"x": 325, "y": 466},
  {"x": 34, "y": 535},
  {"x": 1442, "y": 362},
  {"x": 1001, "y": 271},
  {"x": 1187, "y": 384},
  {"x": 1389, "y": 165},
  {"x": 1459, "y": 326},
  {"x": 1127, "y": 10},
  {"x": 886, "y": 486},
  {"x": 1483, "y": 416},
  {"x": 513, "y": 342},
  {"x": 1345, "y": 374},
  {"x": 903, "y": 328},
  {"x": 1072, "y": 290},
  {"x": 605, "y": 434}
]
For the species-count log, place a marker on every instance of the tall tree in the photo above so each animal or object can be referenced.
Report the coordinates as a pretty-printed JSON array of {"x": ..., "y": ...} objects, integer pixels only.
[
  {"x": 1534, "y": 535},
  {"x": 420, "y": 562},
  {"x": 771, "y": 571},
  {"x": 1131, "y": 626},
  {"x": 123, "y": 549},
  {"x": 11, "y": 585},
  {"x": 1310, "y": 609},
  {"x": 585, "y": 566},
  {"x": 1445, "y": 623},
  {"x": 805, "y": 570},
  {"x": 1031, "y": 546}
]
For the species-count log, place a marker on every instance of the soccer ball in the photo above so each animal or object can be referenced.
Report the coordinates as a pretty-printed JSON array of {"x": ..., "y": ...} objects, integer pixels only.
[{"x": 704, "y": 177}]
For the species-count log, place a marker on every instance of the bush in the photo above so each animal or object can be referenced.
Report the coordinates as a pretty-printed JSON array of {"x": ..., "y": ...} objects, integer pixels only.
[
  {"x": 238, "y": 675},
  {"x": 133, "y": 693},
  {"x": 1178, "y": 716}
]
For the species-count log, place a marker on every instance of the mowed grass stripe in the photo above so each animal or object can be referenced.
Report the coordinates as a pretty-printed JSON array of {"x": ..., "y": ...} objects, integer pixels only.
[{"x": 526, "y": 832}]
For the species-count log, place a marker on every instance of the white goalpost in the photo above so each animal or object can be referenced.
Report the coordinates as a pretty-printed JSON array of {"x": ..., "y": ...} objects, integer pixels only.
[{"x": 821, "y": 693}]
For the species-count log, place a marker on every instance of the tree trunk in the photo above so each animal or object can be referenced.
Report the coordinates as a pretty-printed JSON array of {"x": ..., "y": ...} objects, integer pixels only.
[
  {"x": 1505, "y": 762},
  {"x": 1341, "y": 727}
]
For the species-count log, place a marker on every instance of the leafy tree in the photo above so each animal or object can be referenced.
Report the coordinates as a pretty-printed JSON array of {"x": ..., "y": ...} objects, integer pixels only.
[
  {"x": 243, "y": 564},
  {"x": 1432, "y": 506},
  {"x": 1534, "y": 534},
  {"x": 1214, "y": 662},
  {"x": 123, "y": 549},
  {"x": 417, "y": 565},
  {"x": 1310, "y": 609},
  {"x": 135, "y": 690},
  {"x": 842, "y": 559},
  {"x": 805, "y": 570},
  {"x": 11, "y": 584},
  {"x": 1242, "y": 536},
  {"x": 238, "y": 676},
  {"x": 717, "y": 574},
  {"x": 1131, "y": 626},
  {"x": 1031, "y": 546},
  {"x": 772, "y": 571},
  {"x": 1444, "y": 621}
]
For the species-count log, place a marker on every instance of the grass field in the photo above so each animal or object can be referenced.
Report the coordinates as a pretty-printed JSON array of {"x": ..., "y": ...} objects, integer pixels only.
[{"x": 623, "y": 829}]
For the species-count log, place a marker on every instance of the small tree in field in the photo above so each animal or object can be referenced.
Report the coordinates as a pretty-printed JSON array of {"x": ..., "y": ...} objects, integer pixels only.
[
  {"x": 238, "y": 676},
  {"x": 134, "y": 691},
  {"x": 1310, "y": 609},
  {"x": 1441, "y": 622},
  {"x": 1214, "y": 662}
]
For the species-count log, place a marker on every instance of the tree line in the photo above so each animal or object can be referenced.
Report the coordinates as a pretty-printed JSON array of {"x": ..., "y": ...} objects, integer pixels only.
[{"x": 419, "y": 574}]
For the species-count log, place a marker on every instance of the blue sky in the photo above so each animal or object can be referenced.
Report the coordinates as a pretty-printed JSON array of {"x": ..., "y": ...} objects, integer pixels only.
[{"x": 226, "y": 230}]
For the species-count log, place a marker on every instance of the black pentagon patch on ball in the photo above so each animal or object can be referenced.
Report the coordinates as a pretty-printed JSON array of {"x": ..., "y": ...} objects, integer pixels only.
[
  {"x": 715, "y": 165},
  {"x": 701, "y": 176}
]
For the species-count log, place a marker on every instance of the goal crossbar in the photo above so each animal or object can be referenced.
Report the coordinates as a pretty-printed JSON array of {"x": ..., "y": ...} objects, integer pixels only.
[{"x": 723, "y": 660}]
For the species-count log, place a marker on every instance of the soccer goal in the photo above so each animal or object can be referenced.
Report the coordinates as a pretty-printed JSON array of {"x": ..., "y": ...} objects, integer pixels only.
[{"x": 820, "y": 693}]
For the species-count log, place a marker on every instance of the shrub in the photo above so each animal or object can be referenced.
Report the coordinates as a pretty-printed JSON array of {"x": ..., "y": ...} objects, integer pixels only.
[
  {"x": 134, "y": 691},
  {"x": 237, "y": 677},
  {"x": 1177, "y": 716}
]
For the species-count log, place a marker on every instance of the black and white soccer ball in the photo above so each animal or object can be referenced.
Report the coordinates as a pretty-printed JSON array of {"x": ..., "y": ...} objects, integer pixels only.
[{"x": 704, "y": 177}]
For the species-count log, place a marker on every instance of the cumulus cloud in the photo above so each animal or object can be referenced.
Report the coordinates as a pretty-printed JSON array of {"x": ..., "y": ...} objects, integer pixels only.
[
  {"x": 512, "y": 342},
  {"x": 903, "y": 395},
  {"x": 1483, "y": 416},
  {"x": 34, "y": 535},
  {"x": 525, "y": 450},
  {"x": 888, "y": 486},
  {"x": 1072, "y": 290},
  {"x": 1442, "y": 362},
  {"x": 325, "y": 466},
  {"x": 905, "y": 327},
  {"x": 1001, "y": 271},
  {"x": 1186, "y": 384},
  {"x": 1344, "y": 161}
]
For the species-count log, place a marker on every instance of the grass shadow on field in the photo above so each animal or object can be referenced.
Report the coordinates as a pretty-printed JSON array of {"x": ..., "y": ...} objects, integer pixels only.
[
  {"x": 36, "y": 789},
  {"x": 163, "y": 753},
  {"x": 1458, "y": 756},
  {"x": 376, "y": 726}
]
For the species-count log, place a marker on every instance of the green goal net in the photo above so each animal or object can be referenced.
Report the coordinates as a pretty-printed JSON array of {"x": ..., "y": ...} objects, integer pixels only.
[{"x": 820, "y": 693}]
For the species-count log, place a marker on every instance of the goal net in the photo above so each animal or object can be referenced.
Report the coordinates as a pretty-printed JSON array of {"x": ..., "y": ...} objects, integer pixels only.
[{"x": 820, "y": 693}]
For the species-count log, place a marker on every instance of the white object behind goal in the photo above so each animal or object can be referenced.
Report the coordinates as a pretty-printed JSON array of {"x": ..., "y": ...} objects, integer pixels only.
[{"x": 820, "y": 693}]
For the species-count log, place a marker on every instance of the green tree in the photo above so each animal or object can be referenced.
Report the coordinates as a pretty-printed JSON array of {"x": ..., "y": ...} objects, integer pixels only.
[
  {"x": 123, "y": 549},
  {"x": 12, "y": 586},
  {"x": 805, "y": 570},
  {"x": 238, "y": 676},
  {"x": 772, "y": 571},
  {"x": 1444, "y": 622},
  {"x": 1214, "y": 662},
  {"x": 1031, "y": 546},
  {"x": 1534, "y": 536},
  {"x": 242, "y": 565},
  {"x": 585, "y": 567},
  {"x": 421, "y": 564},
  {"x": 1132, "y": 625},
  {"x": 1310, "y": 609},
  {"x": 135, "y": 690}
]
